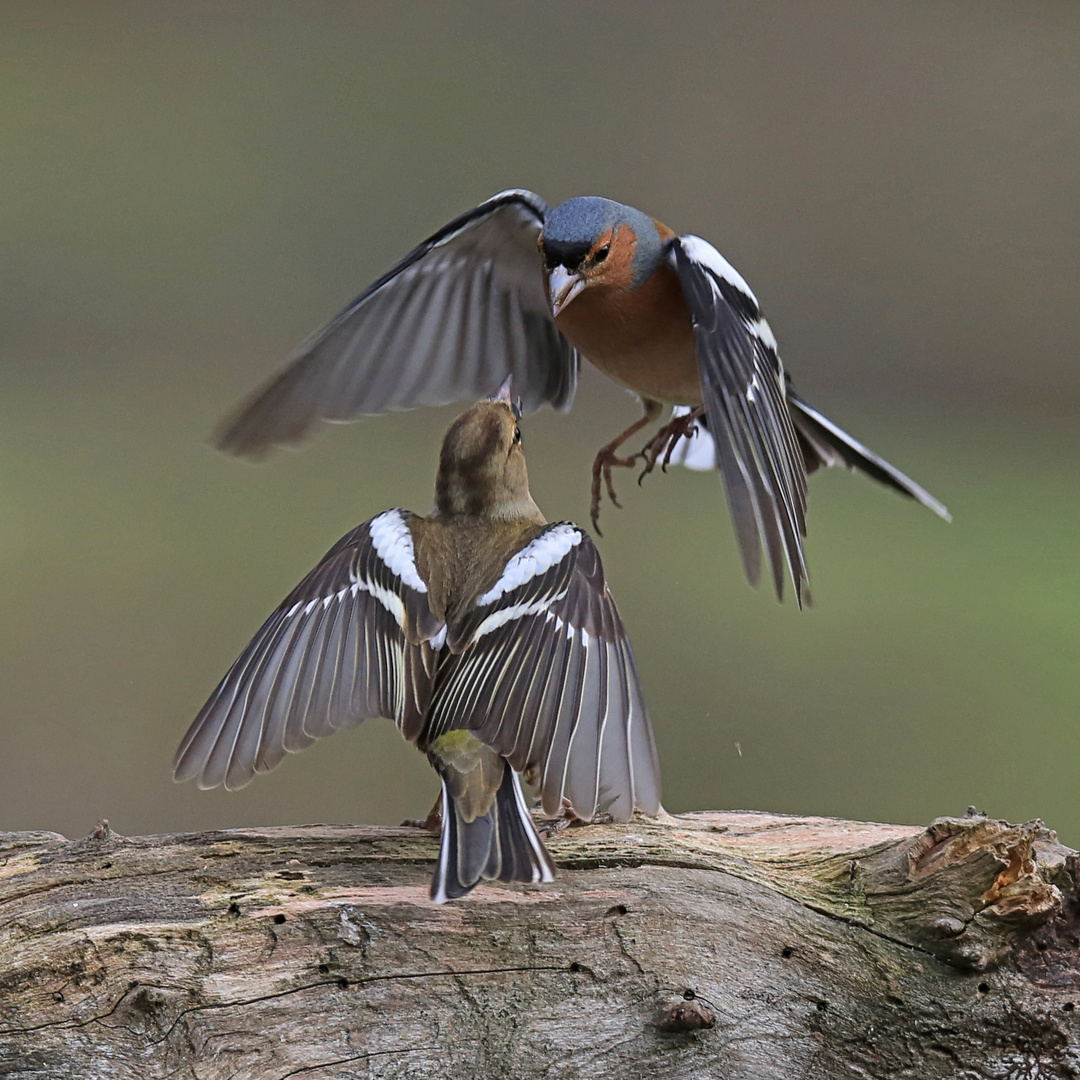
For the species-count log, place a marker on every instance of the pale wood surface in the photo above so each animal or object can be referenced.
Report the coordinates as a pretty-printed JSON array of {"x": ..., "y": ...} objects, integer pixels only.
[{"x": 740, "y": 946}]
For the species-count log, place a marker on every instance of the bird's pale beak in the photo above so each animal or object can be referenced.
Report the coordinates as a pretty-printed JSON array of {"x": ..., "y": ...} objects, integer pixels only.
[
  {"x": 503, "y": 393},
  {"x": 563, "y": 286}
]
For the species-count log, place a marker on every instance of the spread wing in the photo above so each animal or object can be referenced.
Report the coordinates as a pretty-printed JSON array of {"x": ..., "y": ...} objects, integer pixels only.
[
  {"x": 742, "y": 382},
  {"x": 347, "y": 643},
  {"x": 450, "y": 321},
  {"x": 541, "y": 670}
]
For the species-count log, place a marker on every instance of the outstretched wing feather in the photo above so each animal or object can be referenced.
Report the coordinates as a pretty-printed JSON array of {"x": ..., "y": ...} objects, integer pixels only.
[
  {"x": 351, "y": 641},
  {"x": 450, "y": 321},
  {"x": 743, "y": 388},
  {"x": 541, "y": 670}
]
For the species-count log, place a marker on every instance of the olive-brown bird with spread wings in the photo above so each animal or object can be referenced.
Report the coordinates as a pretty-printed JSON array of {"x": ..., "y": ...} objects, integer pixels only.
[{"x": 488, "y": 635}]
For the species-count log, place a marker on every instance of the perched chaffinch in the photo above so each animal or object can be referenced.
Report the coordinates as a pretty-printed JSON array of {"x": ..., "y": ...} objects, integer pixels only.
[
  {"x": 666, "y": 316},
  {"x": 488, "y": 635}
]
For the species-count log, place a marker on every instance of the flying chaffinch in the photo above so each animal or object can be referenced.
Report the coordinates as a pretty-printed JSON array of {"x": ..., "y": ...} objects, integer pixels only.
[
  {"x": 666, "y": 316},
  {"x": 488, "y": 635}
]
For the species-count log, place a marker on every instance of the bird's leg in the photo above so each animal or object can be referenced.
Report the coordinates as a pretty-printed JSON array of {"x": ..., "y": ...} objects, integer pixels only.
[
  {"x": 568, "y": 818},
  {"x": 432, "y": 823},
  {"x": 667, "y": 438},
  {"x": 606, "y": 459}
]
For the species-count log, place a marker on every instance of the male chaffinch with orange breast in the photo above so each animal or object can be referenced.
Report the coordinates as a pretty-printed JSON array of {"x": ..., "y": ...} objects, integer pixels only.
[
  {"x": 516, "y": 287},
  {"x": 487, "y": 634}
]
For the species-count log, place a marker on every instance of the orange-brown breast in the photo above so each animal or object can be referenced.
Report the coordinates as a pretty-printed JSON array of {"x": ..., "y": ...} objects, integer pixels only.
[{"x": 640, "y": 337}]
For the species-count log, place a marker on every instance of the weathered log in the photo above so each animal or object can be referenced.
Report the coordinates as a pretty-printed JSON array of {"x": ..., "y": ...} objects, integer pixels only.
[{"x": 734, "y": 945}]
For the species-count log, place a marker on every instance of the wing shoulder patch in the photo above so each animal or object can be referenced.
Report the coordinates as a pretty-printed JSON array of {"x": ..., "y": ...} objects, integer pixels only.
[
  {"x": 705, "y": 255},
  {"x": 536, "y": 558},
  {"x": 730, "y": 285},
  {"x": 393, "y": 543}
]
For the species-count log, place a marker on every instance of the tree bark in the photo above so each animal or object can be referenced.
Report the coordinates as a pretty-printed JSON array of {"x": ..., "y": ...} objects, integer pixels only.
[{"x": 741, "y": 946}]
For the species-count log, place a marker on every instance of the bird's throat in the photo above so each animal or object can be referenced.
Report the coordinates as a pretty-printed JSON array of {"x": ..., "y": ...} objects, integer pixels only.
[{"x": 641, "y": 338}]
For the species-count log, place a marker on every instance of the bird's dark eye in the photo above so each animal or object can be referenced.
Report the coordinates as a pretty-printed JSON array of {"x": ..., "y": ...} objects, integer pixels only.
[
  {"x": 517, "y": 435},
  {"x": 601, "y": 253}
]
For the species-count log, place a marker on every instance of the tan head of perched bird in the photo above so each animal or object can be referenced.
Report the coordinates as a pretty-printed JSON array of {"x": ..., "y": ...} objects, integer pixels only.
[{"x": 489, "y": 636}]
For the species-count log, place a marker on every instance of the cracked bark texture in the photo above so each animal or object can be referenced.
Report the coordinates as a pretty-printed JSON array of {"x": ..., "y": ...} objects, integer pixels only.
[{"x": 740, "y": 946}]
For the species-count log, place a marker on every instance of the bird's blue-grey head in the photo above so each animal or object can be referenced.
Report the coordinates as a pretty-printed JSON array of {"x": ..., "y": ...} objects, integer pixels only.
[{"x": 570, "y": 237}]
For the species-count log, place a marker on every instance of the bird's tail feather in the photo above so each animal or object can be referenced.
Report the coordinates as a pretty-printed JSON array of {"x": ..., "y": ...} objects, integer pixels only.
[
  {"x": 823, "y": 443},
  {"x": 501, "y": 845}
]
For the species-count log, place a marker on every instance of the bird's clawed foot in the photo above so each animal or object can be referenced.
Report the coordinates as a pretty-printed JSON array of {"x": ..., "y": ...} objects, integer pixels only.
[
  {"x": 663, "y": 443},
  {"x": 432, "y": 823},
  {"x": 554, "y": 826},
  {"x": 607, "y": 459},
  {"x": 604, "y": 462}
]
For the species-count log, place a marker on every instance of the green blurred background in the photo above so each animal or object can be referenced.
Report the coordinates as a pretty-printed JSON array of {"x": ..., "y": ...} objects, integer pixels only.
[{"x": 187, "y": 189}]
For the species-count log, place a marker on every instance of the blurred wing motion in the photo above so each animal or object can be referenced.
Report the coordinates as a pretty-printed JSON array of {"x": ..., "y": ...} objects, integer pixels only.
[
  {"x": 450, "y": 321},
  {"x": 544, "y": 675},
  {"x": 742, "y": 384},
  {"x": 349, "y": 642}
]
